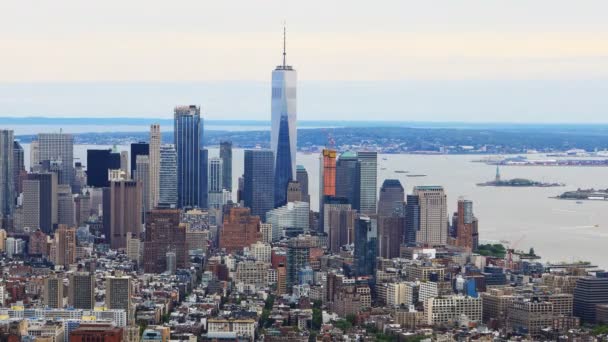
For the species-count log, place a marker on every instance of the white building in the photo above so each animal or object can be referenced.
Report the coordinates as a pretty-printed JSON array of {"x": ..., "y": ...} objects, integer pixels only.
[
  {"x": 448, "y": 310},
  {"x": 261, "y": 251},
  {"x": 292, "y": 217}
]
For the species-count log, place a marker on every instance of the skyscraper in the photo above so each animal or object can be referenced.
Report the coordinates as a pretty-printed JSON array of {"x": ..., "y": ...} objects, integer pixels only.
[
  {"x": 164, "y": 233},
  {"x": 142, "y": 175},
  {"x": 203, "y": 197},
  {"x": 99, "y": 162},
  {"x": 65, "y": 205},
  {"x": 154, "y": 153},
  {"x": 341, "y": 225},
  {"x": 391, "y": 198},
  {"x": 214, "y": 183},
  {"x": 58, "y": 150},
  {"x": 283, "y": 135},
  {"x": 18, "y": 167},
  {"x": 124, "y": 163},
  {"x": 65, "y": 244},
  {"x": 368, "y": 175},
  {"x": 226, "y": 156},
  {"x": 47, "y": 196},
  {"x": 240, "y": 229},
  {"x": 53, "y": 292},
  {"x": 31, "y": 204},
  {"x": 188, "y": 139},
  {"x": 124, "y": 211},
  {"x": 137, "y": 149},
  {"x": 433, "y": 230},
  {"x": 327, "y": 181},
  {"x": 298, "y": 257},
  {"x": 259, "y": 181},
  {"x": 7, "y": 185},
  {"x": 81, "y": 292},
  {"x": 302, "y": 178},
  {"x": 465, "y": 226},
  {"x": 168, "y": 177},
  {"x": 366, "y": 235},
  {"x": 412, "y": 219},
  {"x": 118, "y": 293},
  {"x": 347, "y": 178}
]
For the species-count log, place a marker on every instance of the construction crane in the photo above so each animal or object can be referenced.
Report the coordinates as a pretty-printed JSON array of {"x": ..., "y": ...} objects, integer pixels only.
[{"x": 331, "y": 143}]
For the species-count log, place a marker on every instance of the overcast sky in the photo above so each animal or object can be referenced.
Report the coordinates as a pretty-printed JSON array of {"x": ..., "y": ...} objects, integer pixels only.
[{"x": 465, "y": 60}]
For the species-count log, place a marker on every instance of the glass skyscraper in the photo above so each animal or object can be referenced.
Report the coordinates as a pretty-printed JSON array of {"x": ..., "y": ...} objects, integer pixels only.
[
  {"x": 368, "y": 181},
  {"x": 283, "y": 136},
  {"x": 259, "y": 181},
  {"x": 366, "y": 237},
  {"x": 226, "y": 156},
  {"x": 188, "y": 138},
  {"x": 58, "y": 150},
  {"x": 168, "y": 176},
  {"x": 7, "y": 188}
]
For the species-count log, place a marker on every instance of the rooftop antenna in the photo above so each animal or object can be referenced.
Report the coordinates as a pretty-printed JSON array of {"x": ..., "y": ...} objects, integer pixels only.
[{"x": 284, "y": 44}]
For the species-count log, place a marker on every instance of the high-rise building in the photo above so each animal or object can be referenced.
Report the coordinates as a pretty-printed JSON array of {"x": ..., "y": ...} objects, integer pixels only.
[
  {"x": 168, "y": 177},
  {"x": 34, "y": 155},
  {"x": 283, "y": 134},
  {"x": 125, "y": 201},
  {"x": 366, "y": 236},
  {"x": 188, "y": 139},
  {"x": 31, "y": 205},
  {"x": 58, "y": 150},
  {"x": 412, "y": 219},
  {"x": 65, "y": 244},
  {"x": 465, "y": 226},
  {"x": 142, "y": 175},
  {"x": 327, "y": 181},
  {"x": 588, "y": 293},
  {"x": 82, "y": 208},
  {"x": 53, "y": 291},
  {"x": 240, "y": 229},
  {"x": 138, "y": 149},
  {"x": 226, "y": 156},
  {"x": 99, "y": 162},
  {"x": 214, "y": 183},
  {"x": 47, "y": 197},
  {"x": 118, "y": 293},
  {"x": 19, "y": 172},
  {"x": 258, "y": 181},
  {"x": 368, "y": 181},
  {"x": 433, "y": 230},
  {"x": 81, "y": 291},
  {"x": 330, "y": 202},
  {"x": 65, "y": 205},
  {"x": 203, "y": 197},
  {"x": 341, "y": 220},
  {"x": 294, "y": 192},
  {"x": 289, "y": 220},
  {"x": 298, "y": 257},
  {"x": 391, "y": 231},
  {"x": 164, "y": 234},
  {"x": 124, "y": 163},
  {"x": 302, "y": 178},
  {"x": 391, "y": 198},
  {"x": 154, "y": 153},
  {"x": 7, "y": 184},
  {"x": 347, "y": 178}
]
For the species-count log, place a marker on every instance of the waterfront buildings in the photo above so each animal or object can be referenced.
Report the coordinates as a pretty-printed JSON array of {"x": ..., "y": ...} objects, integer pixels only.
[{"x": 465, "y": 226}]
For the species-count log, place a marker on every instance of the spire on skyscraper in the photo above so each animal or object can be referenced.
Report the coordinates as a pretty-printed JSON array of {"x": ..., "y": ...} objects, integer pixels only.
[{"x": 284, "y": 44}]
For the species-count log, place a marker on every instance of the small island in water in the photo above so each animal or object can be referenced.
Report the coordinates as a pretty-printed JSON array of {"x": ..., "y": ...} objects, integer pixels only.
[
  {"x": 517, "y": 182},
  {"x": 585, "y": 194}
]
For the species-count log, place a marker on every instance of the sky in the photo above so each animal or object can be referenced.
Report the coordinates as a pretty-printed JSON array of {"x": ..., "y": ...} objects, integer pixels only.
[{"x": 466, "y": 60}]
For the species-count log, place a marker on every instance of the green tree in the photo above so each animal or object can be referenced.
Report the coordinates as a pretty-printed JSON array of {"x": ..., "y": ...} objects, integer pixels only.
[{"x": 317, "y": 319}]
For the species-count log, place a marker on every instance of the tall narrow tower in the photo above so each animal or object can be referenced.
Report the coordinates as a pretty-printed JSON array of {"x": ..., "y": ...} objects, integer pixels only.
[
  {"x": 283, "y": 136},
  {"x": 154, "y": 154}
]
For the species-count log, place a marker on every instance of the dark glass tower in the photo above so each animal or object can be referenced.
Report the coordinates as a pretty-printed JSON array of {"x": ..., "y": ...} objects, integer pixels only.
[
  {"x": 347, "y": 178},
  {"x": 188, "y": 138},
  {"x": 226, "y": 156},
  {"x": 283, "y": 170},
  {"x": 98, "y": 164},
  {"x": 366, "y": 237},
  {"x": 137, "y": 149},
  {"x": 391, "y": 198},
  {"x": 412, "y": 219},
  {"x": 204, "y": 181},
  {"x": 259, "y": 181}
]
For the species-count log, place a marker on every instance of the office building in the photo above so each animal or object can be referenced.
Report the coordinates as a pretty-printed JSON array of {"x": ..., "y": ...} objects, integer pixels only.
[
  {"x": 164, "y": 234},
  {"x": 58, "y": 150},
  {"x": 302, "y": 178},
  {"x": 412, "y": 219},
  {"x": 188, "y": 140},
  {"x": 289, "y": 220},
  {"x": 106, "y": 332},
  {"x": 138, "y": 149},
  {"x": 368, "y": 182},
  {"x": 124, "y": 211},
  {"x": 530, "y": 316},
  {"x": 118, "y": 293},
  {"x": 391, "y": 231},
  {"x": 433, "y": 229},
  {"x": 391, "y": 198},
  {"x": 81, "y": 291},
  {"x": 154, "y": 160},
  {"x": 327, "y": 182},
  {"x": 240, "y": 229},
  {"x": 588, "y": 293},
  {"x": 47, "y": 201},
  {"x": 465, "y": 226},
  {"x": 142, "y": 176},
  {"x": 124, "y": 163},
  {"x": 30, "y": 205},
  {"x": 283, "y": 134},
  {"x": 259, "y": 181},
  {"x": 366, "y": 241},
  {"x": 294, "y": 192},
  {"x": 82, "y": 208},
  {"x": 19, "y": 172},
  {"x": 65, "y": 244},
  {"x": 446, "y": 310},
  {"x": 347, "y": 178},
  {"x": 168, "y": 177},
  {"x": 214, "y": 183},
  {"x": 65, "y": 205},
  {"x": 34, "y": 155},
  {"x": 7, "y": 180},
  {"x": 341, "y": 221},
  {"x": 298, "y": 257},
  {"x": 204, "y": 178},
  {"x": 226, "y": 157},
  {"x": 53, "y": 291},
  {"x": 99, "y": 162},
  {"x": 330, "y": 202},
  {"x": 134, "y": 249}
]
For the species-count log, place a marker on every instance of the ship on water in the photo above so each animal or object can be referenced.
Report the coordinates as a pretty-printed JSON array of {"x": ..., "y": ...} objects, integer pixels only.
[{"x": 517, "y": 182}]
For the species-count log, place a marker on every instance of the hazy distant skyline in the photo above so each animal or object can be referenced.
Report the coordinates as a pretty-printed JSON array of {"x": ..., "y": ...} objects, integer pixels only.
[{"x": 469, "y": 60}]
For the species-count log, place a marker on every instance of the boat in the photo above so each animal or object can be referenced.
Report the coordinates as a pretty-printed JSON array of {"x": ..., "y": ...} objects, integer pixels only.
[
  {"x": 384, "y": 158},
  {"x": 416, "y": 175},
  {"x": 579, "y": 202},
  {"x": 401, "y": 171},
  {"x": 383, "y": 168}
]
